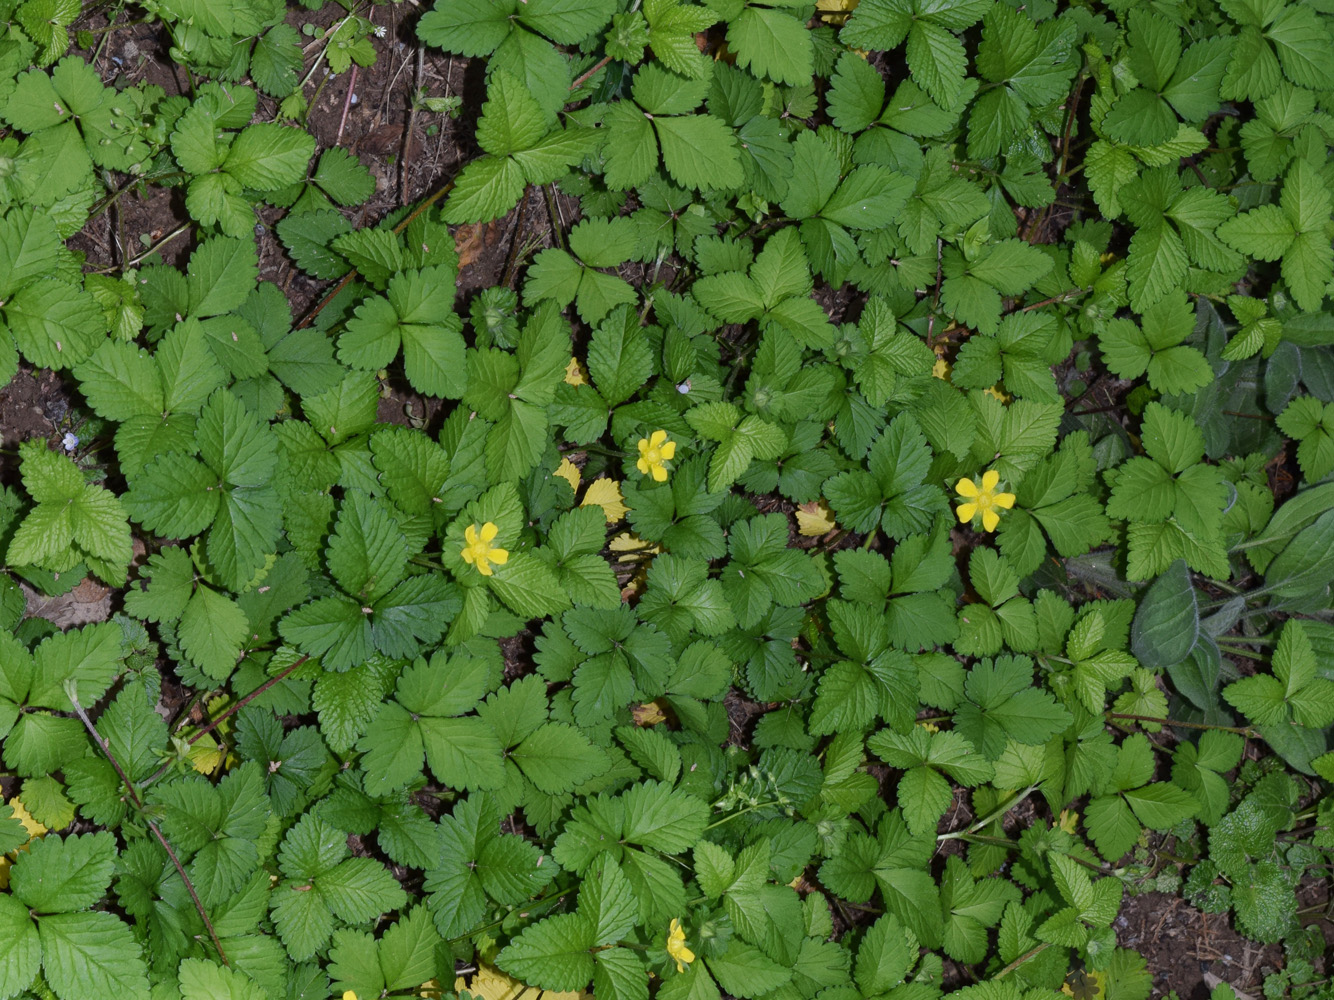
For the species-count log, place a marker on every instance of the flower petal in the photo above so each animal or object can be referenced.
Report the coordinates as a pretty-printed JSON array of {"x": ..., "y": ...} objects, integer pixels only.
[
  {"x": 657, "y": 438},
  {"x": 989, "y": 479},
  {"x": 470, "y": 534},
  {"x": 642, "y": 466},
  {"x": 489, "y": 532},
  {"x": 989, "y": 520},
  {"x": 1005, "y": 500},
  {"x": 643, "y": 445},
  {"x": 668, "y": 451},
  {"x": 967, "y": 511},
  {"x": 966, "y": 488},
  {"x": 499, "y": 556},
  {"x": 659, "y": 473}
]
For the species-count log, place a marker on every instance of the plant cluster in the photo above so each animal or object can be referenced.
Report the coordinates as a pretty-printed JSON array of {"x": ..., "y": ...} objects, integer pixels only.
[{"x": 888, "y": 527}]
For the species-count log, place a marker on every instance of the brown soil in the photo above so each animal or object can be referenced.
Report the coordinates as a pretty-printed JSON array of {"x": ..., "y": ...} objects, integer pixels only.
[
  {"x": 1191, "y": 952},
  {"x": 31, "y": 406}
]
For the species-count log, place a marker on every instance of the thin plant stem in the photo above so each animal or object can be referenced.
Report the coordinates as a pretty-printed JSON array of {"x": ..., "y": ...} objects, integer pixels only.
[
  {"x": 740, "y": 812},
  {"x": 229, "y": 712},
  {"x": 1239, "y": 730},
  {"x": 1032, "y": 953},
  {"x": 411, "y": 126},
  {"x": 233, "y": 709},
  {"x": 513, "y": 262},
  {"x": 548, "y": 191},
  {"x": 105, "y": 746},
  {"x": 138, "y": 258},
  {"x": 990, "y": 817},
  {"x": 583, "y": 78},
  {"x": 347, "y": 104}
]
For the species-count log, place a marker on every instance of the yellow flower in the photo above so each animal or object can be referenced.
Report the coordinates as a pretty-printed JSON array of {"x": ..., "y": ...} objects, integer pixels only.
[
  {"x": 653, "y": 451},
  {"x": 349, "y": 995},
  {"x": 479, "y": 552},
  {"x": 676, "y": 946},
  {"x": 983, "y": 499}
]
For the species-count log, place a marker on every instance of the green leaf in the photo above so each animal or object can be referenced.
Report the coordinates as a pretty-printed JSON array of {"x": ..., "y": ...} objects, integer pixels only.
[
  {"x": 54, "y": 324},
  {"x": 474, "y": 28},
  {"x": 745, "y": 971},
  {"x": 269, "y": 156},
  {"x": 21, "y": 954},
  {"x": 1167, "y": 622},
  {"x": 64, "y": 875},
  {"x": 557, "y": 758},
  {"x": 662, "y": 818},
  {"x": 89, "y": 657},
  {"x": 511, "y": 119},
  {"x": 90, "y": 956},
  {"x": 1264, "y": 232},
  {"x": 202, "y": 980},
  {"x": 407, "y": 950},
  {"x": 937, "y": 59},
  {"x": 884, "y": 956},
  {"x": 553, "y": 954},
  {"x": 341, "y": 175},
  {"x": 528, "y": 586},
  {"x": 771, "y": 43},
  {"x": 699, "y": 152},
  {"x": 1161, "y": 804},
  {"x": 488, "y": 187}
]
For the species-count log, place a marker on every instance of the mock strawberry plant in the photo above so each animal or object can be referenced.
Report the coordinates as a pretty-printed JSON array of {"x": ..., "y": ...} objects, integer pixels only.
[{"x": 881, "y": 520}]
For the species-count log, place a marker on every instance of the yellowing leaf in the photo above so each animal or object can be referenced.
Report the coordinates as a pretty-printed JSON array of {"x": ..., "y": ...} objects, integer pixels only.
[
  {"x": 606, "y": 493},
  {"x": 47, "y": 796},
  {"x": 648, "y": 714},
  {"x": 488, "y": 983},
  {"x": 568, "y": 471},
  {"x": 815, "y": 519},
  {"x": 207, "y": 756},
  {"x": 576, "y": 373},
  {"x": 1069, "y": 820},
  {"x": 836, "y": 12},
  {"x": 1083, "y": 985},
  {"x": 34, "y": 830},
  {"x": 21, "y": 814},
  {"x": 632, "y": 546}
]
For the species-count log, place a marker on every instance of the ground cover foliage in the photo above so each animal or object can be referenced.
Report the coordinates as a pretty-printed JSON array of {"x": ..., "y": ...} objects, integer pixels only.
[{"x": 890, "y": 526}]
